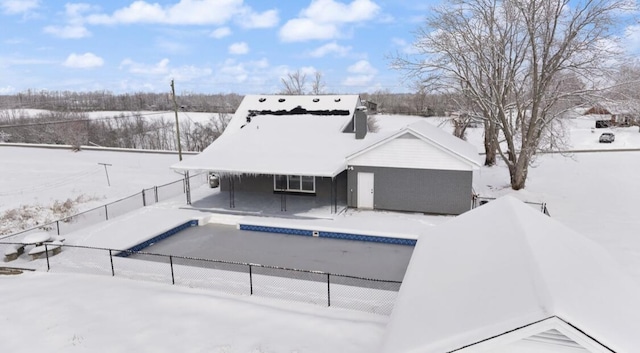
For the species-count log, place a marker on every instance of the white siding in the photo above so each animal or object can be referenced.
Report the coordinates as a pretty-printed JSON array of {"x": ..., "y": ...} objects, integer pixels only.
[{"x": 408, "y": 151}]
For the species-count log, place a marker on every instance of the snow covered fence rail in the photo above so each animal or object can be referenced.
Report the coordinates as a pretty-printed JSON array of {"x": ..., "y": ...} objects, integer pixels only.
[
  {"x": 238, "y": 278},
  {"x": 481, "y": 200},
  {"x": 113, "y": 209}
]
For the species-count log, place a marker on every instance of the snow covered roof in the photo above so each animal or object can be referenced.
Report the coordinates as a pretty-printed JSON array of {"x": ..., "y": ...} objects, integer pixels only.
[
  {"x": 478, "y": 282},
  {"x": 303, "y": 135},
  {"x": 625, "y": 107},
  {"x": 435, "y": 136},
  {"x": 295, "y": 135}
]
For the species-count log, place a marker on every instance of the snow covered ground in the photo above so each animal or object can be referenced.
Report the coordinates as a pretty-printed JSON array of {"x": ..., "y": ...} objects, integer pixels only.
[
  {"x": 32, "y": 180},
  {"x": 50, "y": 312},
  {"x": 594, "y": 193},
  {"x": 165, "y": 115}
]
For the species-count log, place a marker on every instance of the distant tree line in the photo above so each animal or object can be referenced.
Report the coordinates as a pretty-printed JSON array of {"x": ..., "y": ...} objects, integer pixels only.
[
  {"x": 125, "y": 130},
  {"x": 67, "y": 101},
  {"x": 420, "y": 102},
  {"x": 65, "y": 118}
]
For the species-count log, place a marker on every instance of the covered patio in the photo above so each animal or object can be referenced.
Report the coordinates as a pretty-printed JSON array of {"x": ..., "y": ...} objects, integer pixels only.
[{"x": 258, "y": 203}]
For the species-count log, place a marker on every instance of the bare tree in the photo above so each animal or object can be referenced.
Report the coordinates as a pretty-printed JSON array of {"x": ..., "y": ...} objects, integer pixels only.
[
  {"x": 294, "y": 83},
  {"x": 317, "y": 86},
  {"x": 507, "y": 58}
]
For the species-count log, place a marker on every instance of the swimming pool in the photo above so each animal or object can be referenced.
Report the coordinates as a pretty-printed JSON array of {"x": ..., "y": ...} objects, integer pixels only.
[{"x": 284, "y": 249}]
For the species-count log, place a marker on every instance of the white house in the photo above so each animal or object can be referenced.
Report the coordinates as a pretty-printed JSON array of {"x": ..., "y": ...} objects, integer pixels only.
[{"x": 321, "y": 147}]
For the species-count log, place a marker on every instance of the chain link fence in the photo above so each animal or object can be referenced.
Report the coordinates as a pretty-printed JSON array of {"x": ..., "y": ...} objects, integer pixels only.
[
  {"x": 313, "y": 287},
  {"x": 117, "y": 208}
]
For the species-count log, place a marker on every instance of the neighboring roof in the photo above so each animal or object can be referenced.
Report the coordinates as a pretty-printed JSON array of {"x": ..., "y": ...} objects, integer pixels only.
[
  {"x": 435, "y": 136},
  {"x": 626, "y": 107},
  {"x": 490, "y": 273},
  {"x": 276, "y": 142}
]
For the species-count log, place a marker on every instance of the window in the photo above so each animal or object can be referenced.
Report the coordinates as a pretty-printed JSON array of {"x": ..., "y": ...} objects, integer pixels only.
[{"x": 295, "y": 183}]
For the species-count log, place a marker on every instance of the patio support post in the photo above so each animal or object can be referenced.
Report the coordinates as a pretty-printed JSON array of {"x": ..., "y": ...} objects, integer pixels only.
[
  {"x": 334, "y": 195},
  {"x": 283, "y": 202},
  {"x": 232, "y": 193}
]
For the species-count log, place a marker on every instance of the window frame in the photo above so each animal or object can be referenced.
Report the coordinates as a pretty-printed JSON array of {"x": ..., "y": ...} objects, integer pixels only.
[{"x": 300, "y": 182}]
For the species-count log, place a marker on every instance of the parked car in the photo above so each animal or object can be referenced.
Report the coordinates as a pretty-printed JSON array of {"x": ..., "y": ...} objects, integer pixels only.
[{"x": 607, "y": 137}]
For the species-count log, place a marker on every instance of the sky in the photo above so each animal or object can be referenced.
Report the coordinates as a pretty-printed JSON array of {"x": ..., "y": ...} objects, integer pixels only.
[{"x": 206, "y": 46}]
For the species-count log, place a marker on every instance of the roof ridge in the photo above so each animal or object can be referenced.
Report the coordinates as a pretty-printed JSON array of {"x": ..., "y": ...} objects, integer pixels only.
[{"x": 538, "y": 277}]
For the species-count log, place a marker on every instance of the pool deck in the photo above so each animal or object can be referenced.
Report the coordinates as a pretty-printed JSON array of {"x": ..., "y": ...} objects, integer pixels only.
[{"x": 135, "y": 227}]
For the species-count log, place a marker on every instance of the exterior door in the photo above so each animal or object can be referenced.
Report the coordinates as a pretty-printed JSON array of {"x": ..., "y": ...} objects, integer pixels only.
[{"x": 365, "y": 190}]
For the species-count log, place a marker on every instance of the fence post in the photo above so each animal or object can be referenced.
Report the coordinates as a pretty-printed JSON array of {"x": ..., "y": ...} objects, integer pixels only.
[
  {"x": 144, "y": 201},
  {"x": 187, "y": 187},
  {"x": 173, "y": 280},
  {"x": 46, "y": 253},
  {"x": 113, "y": 273},
  {"x": 250, "y": 280},
  {"x": 155, "y": 191},
  {"x": 58, "y": 227},
  {"x": 106, "y": 213},
  {"x": 328, "y": 290}
]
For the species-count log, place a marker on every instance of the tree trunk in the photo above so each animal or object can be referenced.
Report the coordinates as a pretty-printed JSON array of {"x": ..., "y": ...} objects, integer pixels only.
[
  {"x": 490, "y": 143},
  {"x": 518, "y": 172}
]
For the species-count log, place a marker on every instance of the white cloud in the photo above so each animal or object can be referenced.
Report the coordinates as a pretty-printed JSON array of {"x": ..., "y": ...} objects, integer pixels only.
[
  {"x": 189, "y": 73},
  {"x": 239, "y": 48},
  {"x": 631, "y": 39},
  {"x": 253, "y": 19},
  {"x": 358, "y": 80},
  {"x": 14, "y": 7},
  {"x": 302, "y": 29},
  {"x": 185, "y": 12},
  {"x": 162, "y": 68},
  {"x": 77, "y": 10},
  {"x": 171, "y": 46},
  {"x": 362, "y": 74},
  {"x": 330, "y": 11},
  {"x": 75, "y": 27},
  {"x": 330, "y": 48},
  {"x": 324, "y": 19},
  {"x": 221, "y": 32},
  {"x": 405, "y": 47},
  {"x": 7, "y": 90},
  {"x": 83, "y": 61},
  {"x": 68, "y": 32},
  {"x": 250, "y": 73},
  {"x": 362, "y": 67}
]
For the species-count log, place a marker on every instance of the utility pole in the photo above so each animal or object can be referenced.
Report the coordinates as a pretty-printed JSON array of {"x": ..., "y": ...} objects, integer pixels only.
[
  {"x": 175, "y": 109},
  {"x": 187, "y": 183}
]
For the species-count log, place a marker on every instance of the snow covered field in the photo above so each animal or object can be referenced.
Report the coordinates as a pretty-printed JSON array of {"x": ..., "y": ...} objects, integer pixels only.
[
  {"x": 32, "y": 180},
  {"x": 594, "y": 193}
]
